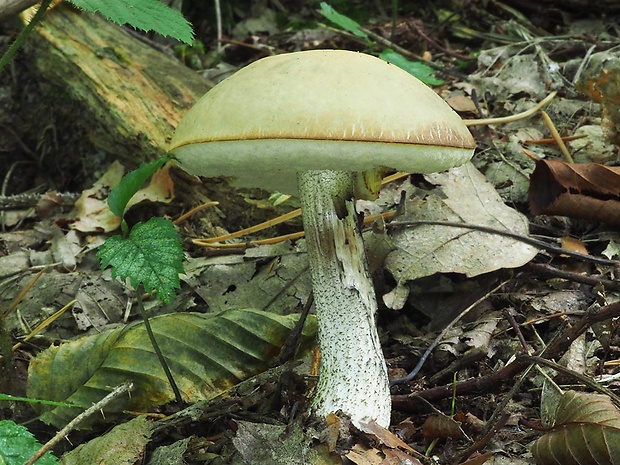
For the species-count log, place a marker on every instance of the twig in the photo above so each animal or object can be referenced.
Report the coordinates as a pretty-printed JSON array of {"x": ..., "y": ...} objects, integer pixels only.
[
  {"x": 193, "y": 211},
  {"x": 491, "y": 382},
  {"x": 556, "y": 137},
  {"x": 291, "y": 344},
  {"x": 548, "y": 270},
  {"x": 440, "y": 337},
  {"x": 586, "y": 380},
  {"x": 63, "y": 433},
  {"x": 21, "y": 201},
  {"x": 218, "y": 23},
  {"x": 484, "y": 440},
  {"x": 502, "y": 232}
]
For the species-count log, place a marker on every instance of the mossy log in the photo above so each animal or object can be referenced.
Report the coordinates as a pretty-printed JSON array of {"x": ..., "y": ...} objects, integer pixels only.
[
  {"x": 127, "y": 98},
  {"x": 132, "y": 96}
]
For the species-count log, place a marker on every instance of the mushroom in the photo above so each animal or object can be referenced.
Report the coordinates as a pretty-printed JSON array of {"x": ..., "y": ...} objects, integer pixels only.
[{"x": 326, "y": 125}]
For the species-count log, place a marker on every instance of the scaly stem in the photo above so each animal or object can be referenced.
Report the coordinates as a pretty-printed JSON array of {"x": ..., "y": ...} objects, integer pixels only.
[{"x": 352, "y": 373}]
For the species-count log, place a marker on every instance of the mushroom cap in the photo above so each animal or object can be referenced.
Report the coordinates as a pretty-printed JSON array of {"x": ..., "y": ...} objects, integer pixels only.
[{"x": 318, "y": 110}]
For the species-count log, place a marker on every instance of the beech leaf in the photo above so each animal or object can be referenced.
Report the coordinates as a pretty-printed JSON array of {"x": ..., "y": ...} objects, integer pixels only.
[
  {"x": 580, "y": 190},
  {"x": 586, "y": 431},
  {"x": 206, "y": 353}
]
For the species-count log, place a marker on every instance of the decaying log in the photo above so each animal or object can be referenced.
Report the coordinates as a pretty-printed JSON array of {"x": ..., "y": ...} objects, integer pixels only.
[
  {"x": 132, "y": 95},
  {"x": 9, "y": 8}
]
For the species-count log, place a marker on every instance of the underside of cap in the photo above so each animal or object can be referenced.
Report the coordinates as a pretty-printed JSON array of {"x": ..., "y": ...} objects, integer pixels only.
[
  {"x": 272, "y": 164},
  {"x": 321, "y": 109}
]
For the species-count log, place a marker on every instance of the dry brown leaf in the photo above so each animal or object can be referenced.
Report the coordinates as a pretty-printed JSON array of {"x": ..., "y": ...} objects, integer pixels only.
[
  {"x": 442, "y": 427},
  {"x": 478, "y": 459},
  {"x": 398, "y": 457},
  {"x": 385, "y": 436},
  {"x": 362, "y": 455},
  {"x": 570, "y": 243},
  {"x": 586, "y": 431},
  {"x": 332, "y": 432},
  {"x": 92, "y": 211},
  {"x": 580, "y": 190}
]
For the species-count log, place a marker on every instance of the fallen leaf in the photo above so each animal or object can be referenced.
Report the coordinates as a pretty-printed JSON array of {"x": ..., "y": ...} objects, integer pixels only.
[
  {"x": 441, "y": 427},
  {"x": 385, "y": 436},
  {"x": 461, "y": 195},
  {"x": 206, "y": 353},
  {"x": 92, "y": 209},
  {"x": 579, "y": 190},
  {"x": 125, "y": 443},
  {"x": 586, "y": 432}
]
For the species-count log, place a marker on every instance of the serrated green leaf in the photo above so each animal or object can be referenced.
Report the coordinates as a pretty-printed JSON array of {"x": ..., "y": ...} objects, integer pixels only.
[
  {"x": 206, "y": 353},
  {"x": 422, "y": 71},
  {"x": 17, "y": 445},
  {"x": 131, "y": 183},
  {"x": 152, "y": 255},
  {"x": 343, "y": 21},
  {"x": 147, "y": 15}
]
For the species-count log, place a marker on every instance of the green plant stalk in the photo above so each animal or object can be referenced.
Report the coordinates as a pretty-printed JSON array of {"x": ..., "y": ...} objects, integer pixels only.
[
  {"x": 158, "y": 352},
  {"x": 36, "y": 401},
  {"x": 6, "y": 352},
  {"x": 15, "y": 46},
  {"x": 453, "y": 406}
]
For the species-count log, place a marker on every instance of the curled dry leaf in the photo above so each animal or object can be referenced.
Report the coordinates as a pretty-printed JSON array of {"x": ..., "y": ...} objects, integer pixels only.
[
  {"x": 442, "y": 427},
  {"x": 586, "y": 431},
  {"x": 384, "y": 435},
  {"x": 580, "y": 190}
]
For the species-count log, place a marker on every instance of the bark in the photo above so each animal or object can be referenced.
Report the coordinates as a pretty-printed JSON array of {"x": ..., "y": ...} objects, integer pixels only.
[
  {"x": 132, "y": 95},
  {"x": 9, "y": 8},
  {"x": 352, "y": 372}
]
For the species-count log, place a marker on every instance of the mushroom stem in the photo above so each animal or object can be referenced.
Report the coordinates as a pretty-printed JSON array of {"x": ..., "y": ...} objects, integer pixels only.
[{"x": 352, "y": 372}]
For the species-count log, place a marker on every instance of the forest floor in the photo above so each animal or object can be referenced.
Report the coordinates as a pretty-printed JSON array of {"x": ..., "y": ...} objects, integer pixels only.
[{"x": 524, "y": 328}]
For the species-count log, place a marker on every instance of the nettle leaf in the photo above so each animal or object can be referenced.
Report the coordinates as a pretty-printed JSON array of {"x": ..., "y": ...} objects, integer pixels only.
[
  {"x": 422, "y": 71},
  {"x": 343, "y": 21},
  {"x": 17, "y": 445},
  {"x": 147, "y": 15},
  {"x": 152, "y": 255},
  {"x": 131, "y": 183},
  {"x": 207, "y": 354}
]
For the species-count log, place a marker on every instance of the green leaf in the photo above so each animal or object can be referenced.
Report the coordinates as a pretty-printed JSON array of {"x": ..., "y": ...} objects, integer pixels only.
[
  {"x": 124, "y": 444},
  {"x": 147, "y": 15},
  {"x": 131, "y": 183},
  {"x": 343, "y": 21},
  {"x": 422, "y": 71},
  {"x": 17, "y": 445},
  {"x": 151, "y": 255},
  {"x": 207, "y": 354}
]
